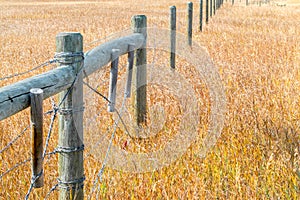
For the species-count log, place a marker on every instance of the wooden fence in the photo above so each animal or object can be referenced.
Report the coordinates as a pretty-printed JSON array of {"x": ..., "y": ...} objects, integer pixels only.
[{"x": 67, "y": 79}]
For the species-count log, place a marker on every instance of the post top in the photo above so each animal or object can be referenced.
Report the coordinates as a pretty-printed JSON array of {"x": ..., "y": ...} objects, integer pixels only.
[
  {"x": 36, "y": 91},
  {"x": 139, "y": 16},
  {"x": 68, "y": 34}
]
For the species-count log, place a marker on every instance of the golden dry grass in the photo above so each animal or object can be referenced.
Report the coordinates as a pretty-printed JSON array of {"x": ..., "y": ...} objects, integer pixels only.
[{"x": 257, "y": 50}]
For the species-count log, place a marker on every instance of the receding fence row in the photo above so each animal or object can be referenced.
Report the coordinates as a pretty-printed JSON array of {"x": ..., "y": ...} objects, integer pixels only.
[{"x": 67, "y": 79}]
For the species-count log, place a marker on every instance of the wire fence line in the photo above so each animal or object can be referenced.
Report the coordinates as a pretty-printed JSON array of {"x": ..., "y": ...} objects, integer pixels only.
[
  {"x": 14, "y": 140},
  {"x": 54, "y": 112},
  {"x": 30, "y": 70},
  {"x": 115, "y": 124},
  {"x": 55, "y": 59},
  {"x": 56, "y": 109}
]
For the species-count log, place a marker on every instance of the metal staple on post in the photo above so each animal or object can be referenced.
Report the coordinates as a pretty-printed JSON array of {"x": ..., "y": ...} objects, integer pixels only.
[
  {"x": 113, "y": 80},
  {"x": 172, "y": 36},
  {"x": 71, "y": 123},
  {"x": 36, "y": 99}
]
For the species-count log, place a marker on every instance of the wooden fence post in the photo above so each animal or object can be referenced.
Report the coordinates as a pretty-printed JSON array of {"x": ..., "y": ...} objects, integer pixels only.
[
  {"x": 130, "y": 60},
  {"x": 70, "y": 141},
  {"x": 172, "y": 36},
  {"x": 201, "y": 16},
  {"x": 113, "y": 80},
  {"x": 36, "y": 110},
  {"x": 190, "y": 22},
  {"x": 139, "y": 89},
  {"x": 211, "y": 8},
  {"x": 215, "y": 2},
  {"x": 206, "y": 10}
]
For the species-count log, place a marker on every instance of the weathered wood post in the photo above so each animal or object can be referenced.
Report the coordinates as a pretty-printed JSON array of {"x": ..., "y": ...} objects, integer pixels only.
[
  {"x": 130, "y": 60},
  {"x": 172, "y": 36},
  {"x": 215, "y": 6},
  {"x": 36, "y": 111},
  {"x": 113, "y": 80},
  {"x": 206, "y": 11},
  {"x": 139, "y": 89},
  {"x": 201, "y": 16},
  {"x": 211, "y": 8},
  {"x": 70, "y": 142},
  {"x": 190, "y": 22}
]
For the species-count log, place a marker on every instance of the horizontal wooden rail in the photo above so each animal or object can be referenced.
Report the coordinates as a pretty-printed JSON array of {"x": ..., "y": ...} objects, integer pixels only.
[{"x": 16, "y": 97}]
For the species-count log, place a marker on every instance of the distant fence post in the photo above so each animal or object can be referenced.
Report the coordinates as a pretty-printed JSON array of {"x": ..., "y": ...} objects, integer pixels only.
[
  {"x": 211, "y": 8},
  {"x": 36, "y": 110},
  {"x": 206, "y": 11},
  {"x": 215, "y": 6},
  {"x": 69, "y": 47},
  {"x": 139, "y": 89},
  {"x": 190, "y": 22},
  {"x": 201, "y": 16},
  {"x": 172, "y": 36}
]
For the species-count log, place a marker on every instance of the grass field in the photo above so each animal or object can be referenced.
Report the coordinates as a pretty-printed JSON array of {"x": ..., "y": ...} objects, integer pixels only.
[{"x": 257, "y": 52}]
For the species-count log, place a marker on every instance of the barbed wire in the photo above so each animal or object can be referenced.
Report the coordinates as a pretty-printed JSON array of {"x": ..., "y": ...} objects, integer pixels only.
[
  {"x": 49, "y": 62},
  {"x": 54, "y": 112},
  {"x": 14, "y": 167},
  {"x": 101, "y": 171},
  {"x": 57, "y": 58},
  {"x": 50, "y": 191},
  {"x": 14, "y": 140}
]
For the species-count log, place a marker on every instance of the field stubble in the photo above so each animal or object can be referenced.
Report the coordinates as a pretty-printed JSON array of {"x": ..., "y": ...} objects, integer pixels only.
[{"x": 257, "y": 52}]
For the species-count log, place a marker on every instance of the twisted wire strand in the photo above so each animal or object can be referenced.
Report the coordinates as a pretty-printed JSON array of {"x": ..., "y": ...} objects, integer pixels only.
[
  {"x": 14, "y": 140},
  {"x": 14, "y": 167},
  {"x": 30, "y": 70},
  {"x": 101, "y": 171}
]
